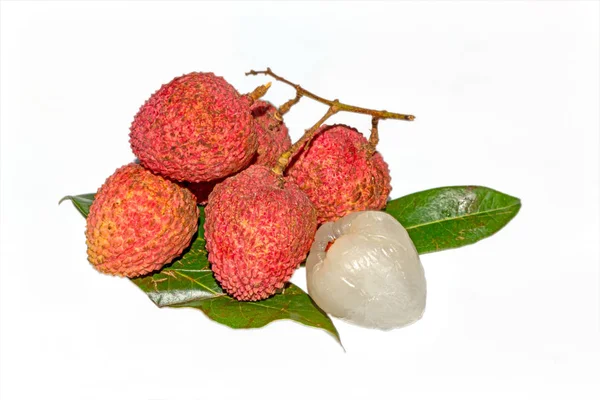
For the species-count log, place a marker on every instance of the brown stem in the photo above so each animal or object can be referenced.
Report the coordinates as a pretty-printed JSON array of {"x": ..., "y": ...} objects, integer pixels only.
[
  {"x": 341, "y": 106},
  {"x": 259, "y": 92},
  {"x": 374, "y": 138},
  {"x": 284, "y": 159}
]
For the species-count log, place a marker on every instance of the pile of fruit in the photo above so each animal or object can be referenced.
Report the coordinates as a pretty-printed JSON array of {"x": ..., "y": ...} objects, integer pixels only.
[{"x": 221, "y": 208}]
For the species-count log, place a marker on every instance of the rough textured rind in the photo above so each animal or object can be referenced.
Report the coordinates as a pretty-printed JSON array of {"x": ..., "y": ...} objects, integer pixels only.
[
  {"x": 258, "y": 229},
  {"x": 273, "y": 136},
  {"x": 196, "y": 128},
  {"x": 139, "y": 222},
  {"x": 338, "y": 174}
]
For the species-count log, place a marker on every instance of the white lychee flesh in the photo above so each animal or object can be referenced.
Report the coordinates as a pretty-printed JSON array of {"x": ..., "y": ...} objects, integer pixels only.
[{"x": 371, "y": 275}]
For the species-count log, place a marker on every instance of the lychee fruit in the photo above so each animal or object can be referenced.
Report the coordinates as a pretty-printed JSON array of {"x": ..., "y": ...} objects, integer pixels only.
[
  {"x": 364, "y": 268},
  {"x": 273, "y": 136},
  {"x": 258, "y": 228},
  {"x": 196, "y": 128},
  {"x": 340, "y": 174},
  {"x": 139, "y": 222}
]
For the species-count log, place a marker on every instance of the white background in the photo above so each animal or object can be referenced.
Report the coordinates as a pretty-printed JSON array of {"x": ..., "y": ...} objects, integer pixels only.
[{"x": 506, "y": 95}]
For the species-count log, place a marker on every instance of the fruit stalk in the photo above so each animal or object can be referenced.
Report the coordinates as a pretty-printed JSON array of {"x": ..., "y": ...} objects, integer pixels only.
[
  {"x": 381, "y": 114},
  {"x": 284, "y": 159}
]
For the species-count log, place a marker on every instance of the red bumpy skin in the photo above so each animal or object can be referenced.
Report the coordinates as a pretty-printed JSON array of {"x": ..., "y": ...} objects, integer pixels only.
[
  {"x": 258, "y": 229},
  {"x": 338, "y": 174},
  {"x": 139, "y": 222},
  {"x": 196, "y": 128},
  {"x": 273, "y": 139},
  {"x": 272, "y": 134}
]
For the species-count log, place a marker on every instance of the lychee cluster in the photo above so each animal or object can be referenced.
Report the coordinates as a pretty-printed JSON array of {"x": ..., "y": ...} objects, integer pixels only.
[
  {"x": 200, "y": 141},
  {"x": 268, "y": 203}
]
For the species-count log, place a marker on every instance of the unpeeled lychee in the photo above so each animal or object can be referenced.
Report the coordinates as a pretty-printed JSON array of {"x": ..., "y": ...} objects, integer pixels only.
[
  {"x": 273, "y": 139},
  {"x": 258, "y": 229},
  {"x": 272, "y": 134},
  {"x": 196, "y": 128},
  {"x": 340, "y": 174},
  {"x": 139, "y": 222}
]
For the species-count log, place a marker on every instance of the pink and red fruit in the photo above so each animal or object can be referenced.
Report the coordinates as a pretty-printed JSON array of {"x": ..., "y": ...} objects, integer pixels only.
[
  {"x": 139, "y": 222},
  {"x": 196, "y": 128},
  {"x": 258, "y": 229},
  {"x": 339, "y": 174}
]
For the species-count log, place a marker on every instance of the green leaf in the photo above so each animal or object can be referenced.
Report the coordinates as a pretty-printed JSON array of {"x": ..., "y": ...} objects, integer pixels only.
[
  {"x": 292, "y": 304},
  {"x": 189, "y": 282},
  {"x": 81, "y": 202},
  {"x": 451, "y": 217}
]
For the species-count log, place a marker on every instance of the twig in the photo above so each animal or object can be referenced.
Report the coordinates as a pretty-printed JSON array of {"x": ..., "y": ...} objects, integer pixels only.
[
  {"x": 341, "y": 106},
  {"x": 284, "y": 159}
]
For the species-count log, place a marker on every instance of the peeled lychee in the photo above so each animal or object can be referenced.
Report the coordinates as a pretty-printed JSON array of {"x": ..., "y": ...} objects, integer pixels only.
[
  {"x": 139, "y": 222},
  {"x": 339, "y": 173},
  {"x": 196, "y": 128},
  {"x": 272, "y": 134},
  {"x": 364, "y": 268},
  {"x": 258, "y": 229}
]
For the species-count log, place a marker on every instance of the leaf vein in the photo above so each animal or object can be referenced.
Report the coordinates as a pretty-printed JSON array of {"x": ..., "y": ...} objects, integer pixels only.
[{"x": 463, "y": 217}]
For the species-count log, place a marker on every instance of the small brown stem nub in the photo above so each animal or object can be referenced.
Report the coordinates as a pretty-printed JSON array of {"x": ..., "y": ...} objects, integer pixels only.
[
  {"x": 374, "y": 138},
  {"x": 284, "y": 159},
  {"x": 259, "y": 91},
  {"x": 341, "y": 106}
]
